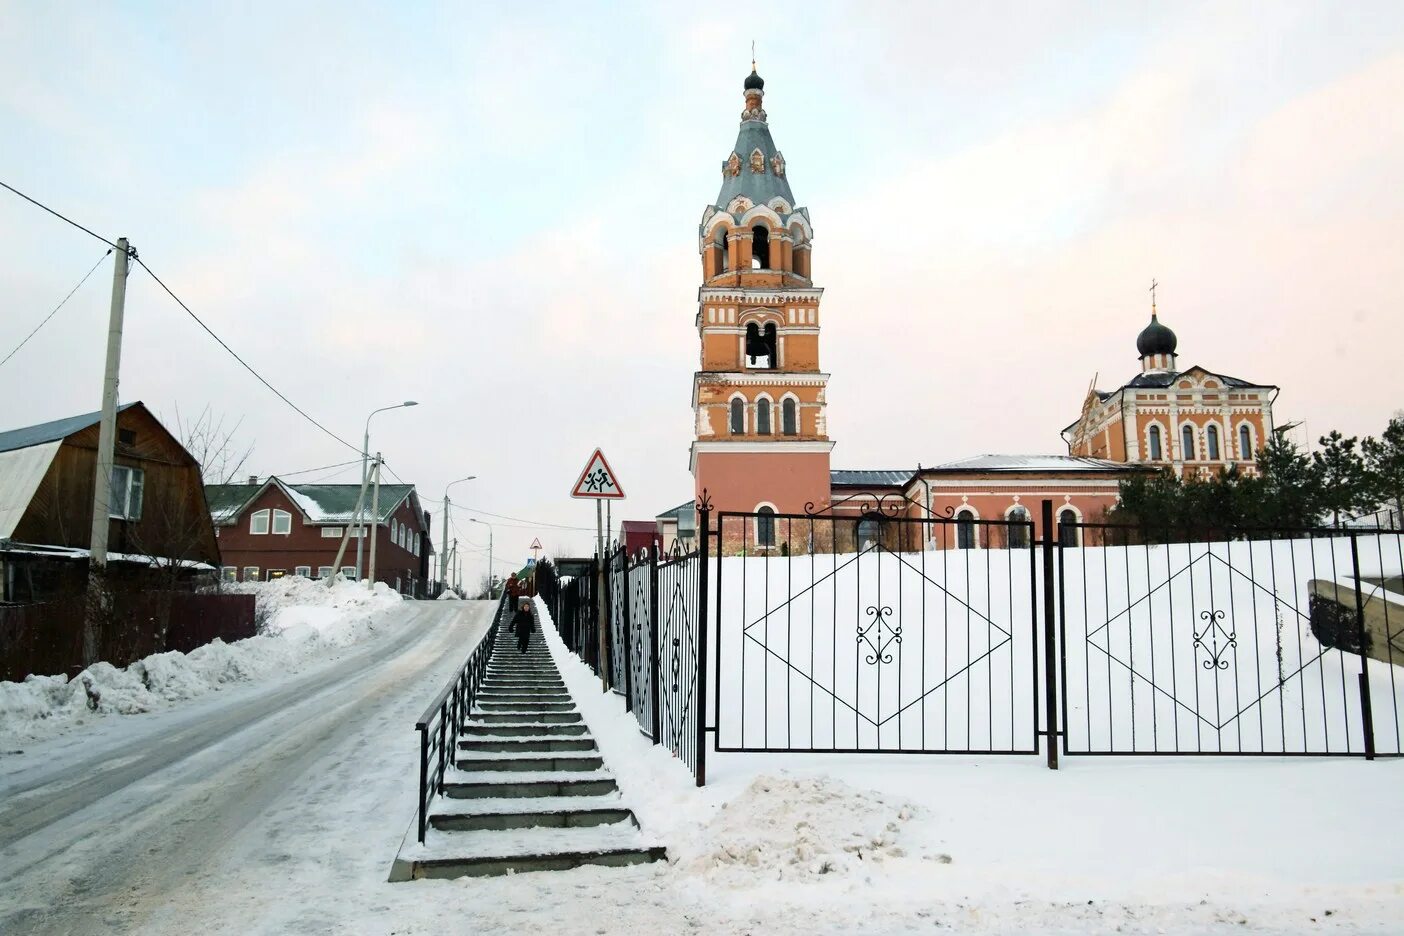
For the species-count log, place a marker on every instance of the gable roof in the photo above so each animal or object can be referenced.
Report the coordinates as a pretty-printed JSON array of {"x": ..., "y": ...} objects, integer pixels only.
[
  {"x": 52, "y": 431},
  {"x": 319, "y": 503}
]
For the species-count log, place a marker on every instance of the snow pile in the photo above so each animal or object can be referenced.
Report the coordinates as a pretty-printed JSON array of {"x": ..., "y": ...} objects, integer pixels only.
[
  {"x": 793, "y": 828},
  {"x": 302, "y": 621}
]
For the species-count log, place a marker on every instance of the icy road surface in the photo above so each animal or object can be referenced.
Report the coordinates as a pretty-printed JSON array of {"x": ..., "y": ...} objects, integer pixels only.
[{"x": 102, "y": 828}]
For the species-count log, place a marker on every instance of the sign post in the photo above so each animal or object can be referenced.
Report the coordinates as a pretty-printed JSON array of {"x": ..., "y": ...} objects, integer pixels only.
[{"x": 598, "y": 483}]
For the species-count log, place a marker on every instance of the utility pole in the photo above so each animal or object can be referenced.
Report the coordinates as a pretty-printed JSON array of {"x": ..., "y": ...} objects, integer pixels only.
[
  {"x": 443, "y": 560},
  {"x": 107, "y": 437},
  {"x": 374, "y": 522}
]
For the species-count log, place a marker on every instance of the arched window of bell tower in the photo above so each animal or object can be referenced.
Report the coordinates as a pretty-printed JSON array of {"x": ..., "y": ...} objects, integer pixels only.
[
  {"x": 760, "y": 247},
  {"x": 761, "y": 346}
]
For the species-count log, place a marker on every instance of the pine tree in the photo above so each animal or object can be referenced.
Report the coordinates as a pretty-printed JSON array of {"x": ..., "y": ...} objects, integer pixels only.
[
  {"x": 1341, "y": 475},
  {"x": 1384, "y": 469},
  {"x": 1287, "y": 493}
]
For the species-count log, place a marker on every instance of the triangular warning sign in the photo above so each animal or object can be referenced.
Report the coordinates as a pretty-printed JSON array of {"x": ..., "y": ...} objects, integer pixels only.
[
  {"x": 536, "y": 544},
  {"x": 598, "y": 480}
]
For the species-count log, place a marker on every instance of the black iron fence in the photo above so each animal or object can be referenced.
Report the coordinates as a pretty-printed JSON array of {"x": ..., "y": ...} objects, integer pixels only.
[
  {"x": 652, "y": 647},
  {"x": 442, "y": 722}
]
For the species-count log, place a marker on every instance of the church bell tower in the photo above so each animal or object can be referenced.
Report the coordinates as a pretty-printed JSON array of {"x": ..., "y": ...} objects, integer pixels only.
[{"x": 761, "y": 439}]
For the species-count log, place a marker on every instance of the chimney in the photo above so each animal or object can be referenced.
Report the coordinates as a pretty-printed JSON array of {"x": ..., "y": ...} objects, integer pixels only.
[{"x": 253, "y": 479}]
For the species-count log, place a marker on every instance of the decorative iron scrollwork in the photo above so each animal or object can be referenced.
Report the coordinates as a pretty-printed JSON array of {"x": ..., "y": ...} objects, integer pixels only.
[
  {"x": 879, "y": 506},
  {"x": 879, "y": 647},
  {"x": 1213, "y": 632}
]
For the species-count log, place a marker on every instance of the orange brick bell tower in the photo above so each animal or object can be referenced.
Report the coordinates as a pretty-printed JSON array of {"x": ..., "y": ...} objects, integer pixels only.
[{"x": 761, "y": 442}]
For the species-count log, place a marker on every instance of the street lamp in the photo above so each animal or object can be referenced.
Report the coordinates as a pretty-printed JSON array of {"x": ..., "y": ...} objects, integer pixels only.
[
  {"x": 443, "y": 557},
  {"x": 489, "y": 526},
  {"x": 358, "y": 521}
]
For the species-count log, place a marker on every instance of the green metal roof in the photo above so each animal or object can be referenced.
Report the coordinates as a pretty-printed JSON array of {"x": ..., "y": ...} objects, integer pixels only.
[
  {"x": 52, "y": 431},
  {"x": 320, "y": 503}
]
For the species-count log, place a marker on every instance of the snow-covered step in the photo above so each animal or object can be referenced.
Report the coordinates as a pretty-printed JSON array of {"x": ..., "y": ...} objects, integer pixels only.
[
  {"x": 521, "y": 761},
  {"x": 486, "y": 705},
  {"x": 514, "y": 743},
  {"x": 517, "y": 715},
  {"x": 497, "y": 820},
  {"x": 510, "y": 804},
  {"x": 447, "y": 854},
  {"x": 524, "y": 727},
  {"x": 544, "y": 694},
  {"x": 564, "y": 785}
]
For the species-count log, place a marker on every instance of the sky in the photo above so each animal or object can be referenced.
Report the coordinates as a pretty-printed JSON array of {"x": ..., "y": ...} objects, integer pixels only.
[{"x": 492, "y": 209}]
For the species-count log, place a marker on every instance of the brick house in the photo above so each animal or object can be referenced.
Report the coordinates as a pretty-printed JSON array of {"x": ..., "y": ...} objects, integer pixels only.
[{"x": 271, "y": 529}]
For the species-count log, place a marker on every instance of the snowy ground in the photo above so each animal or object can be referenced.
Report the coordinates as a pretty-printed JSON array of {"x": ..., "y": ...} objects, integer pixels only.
[{"x": 287, "y": 823}]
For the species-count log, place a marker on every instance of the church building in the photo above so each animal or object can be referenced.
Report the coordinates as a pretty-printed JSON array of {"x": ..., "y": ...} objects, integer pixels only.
[{"x": 1192, "y": 422}]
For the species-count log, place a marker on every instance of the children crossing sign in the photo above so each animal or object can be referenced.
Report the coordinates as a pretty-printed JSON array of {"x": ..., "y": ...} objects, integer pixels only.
[{"x": 597, "y": 481}]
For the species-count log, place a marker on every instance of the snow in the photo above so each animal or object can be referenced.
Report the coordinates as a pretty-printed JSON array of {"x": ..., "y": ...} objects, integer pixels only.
[
  {"x": 530, "y": 841},
  {"x": 303, "y": 622}
]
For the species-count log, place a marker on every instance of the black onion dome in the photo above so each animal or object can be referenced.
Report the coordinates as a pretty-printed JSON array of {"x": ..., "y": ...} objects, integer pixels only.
[
  {"x": 754, "y": 82},
  {"x": 1155, "y": 338}
]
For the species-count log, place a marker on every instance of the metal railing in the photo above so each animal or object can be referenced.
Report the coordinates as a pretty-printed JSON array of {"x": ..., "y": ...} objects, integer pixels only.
[{"x": 443, "y": 720}]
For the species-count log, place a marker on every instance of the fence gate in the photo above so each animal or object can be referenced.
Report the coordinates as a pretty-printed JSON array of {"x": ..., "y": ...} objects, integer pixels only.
[{"x": 862, "y": 630}]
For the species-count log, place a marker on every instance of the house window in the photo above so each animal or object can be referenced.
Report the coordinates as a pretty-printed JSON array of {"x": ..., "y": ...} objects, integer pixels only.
[
  {"x": 349, "y": 573},
  {"x": 282, "y": 522},
  {"x": 276, "y": 574},
  {"x": 1156, "y": 452},
  {"x": 763, "y": 416},
  {"x": 304, "y": 571},
  {"x": 1187, "y": 443},
  {"x": 125, "y": 495},
  {"x": 1211, "y": 439},
  {"x": 331, "y": 532},
  {"x": 1018, "y": 533},
  {"x": 1245, "y": 442},
  {"x": 738, "y": 416},
  {"x": 789, "y": 418},
  {"x": 258, "y": 523},
  {"x": 324, "y": 572},
  {"x": 126, "y": 436},
  {"x": 965, "y": 530},
  {"x": 1067, "y": 532},
  {"x": 229, "y": 573},
  {"x": 251, "y": 573},
  {"x": 765, "y": 527}
]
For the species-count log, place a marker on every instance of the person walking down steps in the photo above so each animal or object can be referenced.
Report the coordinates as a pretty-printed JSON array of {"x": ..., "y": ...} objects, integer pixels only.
[{"x": 522, "y": 624}]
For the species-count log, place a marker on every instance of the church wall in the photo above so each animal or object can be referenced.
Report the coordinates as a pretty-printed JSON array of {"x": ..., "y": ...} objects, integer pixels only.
[{"x": 744, "y": 481}]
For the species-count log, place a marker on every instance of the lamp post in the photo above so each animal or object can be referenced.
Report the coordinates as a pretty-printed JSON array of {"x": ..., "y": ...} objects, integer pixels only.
[
  {"x": 443, "y": 557},
  {"x": 489, "y": 526},
  {"x": 358, "y": 521}
]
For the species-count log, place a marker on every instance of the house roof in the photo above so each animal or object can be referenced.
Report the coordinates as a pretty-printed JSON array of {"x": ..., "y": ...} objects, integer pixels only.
[
  {"x": 1014, "y": 463},
  {"x": 876, "y": 478},
  {"x": 638, "y": 526},
  {"x": 320, "y": 503},
  {"x": 52, "y": 431},
  {"x": 21, "y": 471}
]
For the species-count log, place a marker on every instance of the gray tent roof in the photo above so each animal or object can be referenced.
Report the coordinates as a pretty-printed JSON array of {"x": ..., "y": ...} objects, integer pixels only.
[
  {"x": 759, "y": 187},
  {"x": 51, "y": 431}
]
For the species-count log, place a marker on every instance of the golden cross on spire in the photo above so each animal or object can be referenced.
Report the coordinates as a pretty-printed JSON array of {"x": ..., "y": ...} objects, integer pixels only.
[
  {"x": 1152, "y": 292},
  {"x": 753, "y": 55}
]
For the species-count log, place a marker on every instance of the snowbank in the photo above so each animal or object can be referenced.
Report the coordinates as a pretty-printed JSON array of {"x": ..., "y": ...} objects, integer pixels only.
[{"x": 302, "y": 620}]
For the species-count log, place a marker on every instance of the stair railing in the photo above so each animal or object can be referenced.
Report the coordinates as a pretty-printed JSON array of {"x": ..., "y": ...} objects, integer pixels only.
[{"x": 442, "y": 722}]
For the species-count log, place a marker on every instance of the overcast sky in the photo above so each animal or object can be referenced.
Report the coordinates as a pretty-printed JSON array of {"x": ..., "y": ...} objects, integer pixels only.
[{"x": 493, "y": 209}]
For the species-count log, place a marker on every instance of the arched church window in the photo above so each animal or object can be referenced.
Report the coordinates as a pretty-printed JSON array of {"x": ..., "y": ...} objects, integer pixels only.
[
  {"x": 1187, "y": 443},
  {"x": 1211, "y": 440},
  {"x": 763, "y": 416},
  {"x": 1156, "y": 451},
  {"x": 965, "y": 530},
  {"x": 789, "y": 417},
  {"x": 1245, "y": 441},
  {"x": 738, "y": 416},
  {"x": 1067, "y": 533},
  {"x": 765, "y": 526},
  {"x": 867, "y": 533},
  {"x": 760, "y": 346},
  {"x": 1018, "y": 533},
  {"x": 760, "y": 247}
]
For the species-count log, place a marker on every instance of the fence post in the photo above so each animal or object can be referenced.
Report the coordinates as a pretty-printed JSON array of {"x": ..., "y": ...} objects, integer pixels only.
[
  {"x": 626, "y": 599},
  {"x": 704, "y": 511},
  {"x": 653, "y": 640},
  {"x": 1367, "y": 714},
  {"x": 1050, "y": 672}
]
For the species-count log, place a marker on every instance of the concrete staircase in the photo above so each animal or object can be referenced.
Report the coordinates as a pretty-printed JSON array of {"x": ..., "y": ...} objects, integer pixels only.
[{"x": 529, "y": 791}]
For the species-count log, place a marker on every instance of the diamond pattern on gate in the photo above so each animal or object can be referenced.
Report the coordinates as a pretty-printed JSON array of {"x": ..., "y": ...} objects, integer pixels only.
[
  {"x": 1213, "y": 639},
  {"x": 882, "y": 635}
]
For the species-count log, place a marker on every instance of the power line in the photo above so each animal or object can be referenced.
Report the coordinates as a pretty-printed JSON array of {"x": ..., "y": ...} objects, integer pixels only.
[
  {"x": 59, "y": 216},
  {"x": 300, "y": 411},
  {"x": 56, "y": 308},
  {"x": 529, "y": 523},
  {"x": 289, "y": 474}
]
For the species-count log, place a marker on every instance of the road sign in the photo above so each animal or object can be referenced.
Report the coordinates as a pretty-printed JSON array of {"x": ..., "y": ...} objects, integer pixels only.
[
  {"x": 597, "y": 481},
  {"x": 531, "y": 563},
  {"x": 536, "y": 544}
]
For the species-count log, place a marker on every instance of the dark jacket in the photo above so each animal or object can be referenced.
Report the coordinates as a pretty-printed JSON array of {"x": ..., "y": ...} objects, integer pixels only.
[{"x": 522, "y": 623}]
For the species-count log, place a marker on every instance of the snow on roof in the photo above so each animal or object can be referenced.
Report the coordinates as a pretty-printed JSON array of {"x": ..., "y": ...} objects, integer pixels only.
[
  {"x": 1031, "y": 463},
  {"x": 56, "y": 430},
  {"x": 21, "y": 470},
  {"x": 320, "y": 503},
  {"x": 75, "y": 552},
  {"x": 875, "y": 478}
]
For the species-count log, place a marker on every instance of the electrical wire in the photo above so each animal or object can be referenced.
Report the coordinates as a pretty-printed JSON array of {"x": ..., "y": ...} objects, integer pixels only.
[
  {"x": 56, "y": 308},
  {"x": 59, "y": 216},
  {"x": 289, "y": 474},
  {"x": 299, "y": 410}
]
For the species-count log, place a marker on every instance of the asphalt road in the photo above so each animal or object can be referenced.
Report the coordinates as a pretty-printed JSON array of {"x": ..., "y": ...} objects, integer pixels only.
[{"x": 99, "y": 830}]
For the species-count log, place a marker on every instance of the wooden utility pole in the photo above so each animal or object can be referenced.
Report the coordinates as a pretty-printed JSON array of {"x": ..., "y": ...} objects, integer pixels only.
[{"x": 102, "y": 477}]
